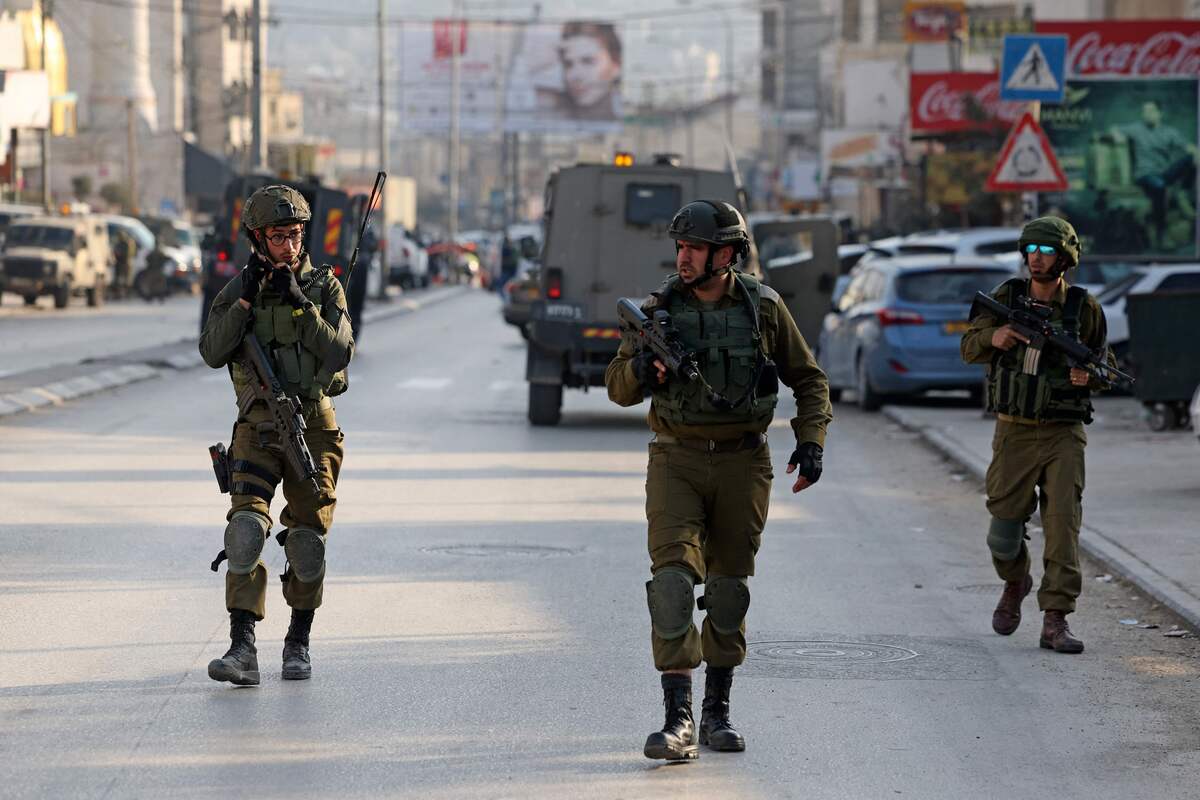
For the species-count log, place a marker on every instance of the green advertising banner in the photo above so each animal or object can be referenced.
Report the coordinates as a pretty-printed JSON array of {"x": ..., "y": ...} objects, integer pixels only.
[{"x": 1128, "y": 148}]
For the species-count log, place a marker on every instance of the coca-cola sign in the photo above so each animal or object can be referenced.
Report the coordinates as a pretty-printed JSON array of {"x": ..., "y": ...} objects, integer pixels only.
[
  {"x": 1130, "y": 48},
  {"x": 959, "y": 101}
]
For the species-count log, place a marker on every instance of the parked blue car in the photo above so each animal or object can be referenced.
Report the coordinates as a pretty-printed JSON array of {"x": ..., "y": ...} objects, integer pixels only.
[{"x": 895, "y": 330}]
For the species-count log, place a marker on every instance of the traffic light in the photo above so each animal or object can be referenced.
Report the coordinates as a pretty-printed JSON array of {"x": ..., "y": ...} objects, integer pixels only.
[{"x": 622, "y": 159}]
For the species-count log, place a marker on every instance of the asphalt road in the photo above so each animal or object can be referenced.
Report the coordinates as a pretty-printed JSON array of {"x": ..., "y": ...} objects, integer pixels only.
[
  {"x": 35, "y": 337},
  {"x": 484, "y": 632}
]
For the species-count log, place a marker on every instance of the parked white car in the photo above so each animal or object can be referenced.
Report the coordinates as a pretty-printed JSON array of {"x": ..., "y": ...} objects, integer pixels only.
[
  {"x": 408, "y": 261},
  {"x": 1152, "y": 278}
]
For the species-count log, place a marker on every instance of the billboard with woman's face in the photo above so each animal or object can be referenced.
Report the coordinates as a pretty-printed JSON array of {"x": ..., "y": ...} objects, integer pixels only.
[{"x": 548, "y": 78}]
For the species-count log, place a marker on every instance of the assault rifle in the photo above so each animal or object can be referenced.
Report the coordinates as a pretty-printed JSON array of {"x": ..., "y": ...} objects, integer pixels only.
[
  {"x": 286, "y": 415},
  {"x": 1032, "y": 320},
  {"x": 660, "y": 337}
]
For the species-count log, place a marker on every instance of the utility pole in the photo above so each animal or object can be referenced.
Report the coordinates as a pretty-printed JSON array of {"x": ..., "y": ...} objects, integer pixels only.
[
  {"x": 47, "y": 9},
  {"x": 456, "y": 38},
  {"x": 131, "y": 156},
  {"x": 729, "y": 86},
  {"x": 383, "y": 150},
  {"x": 256, "y": 122}
]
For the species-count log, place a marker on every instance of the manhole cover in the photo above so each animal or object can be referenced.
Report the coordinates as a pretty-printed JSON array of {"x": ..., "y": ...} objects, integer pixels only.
[
  {"x": 482, "y": 550},
  {"x": 832, "y": 656},
  {"x": 981, "y": 588},
  {"x": 828, "y": 653}
]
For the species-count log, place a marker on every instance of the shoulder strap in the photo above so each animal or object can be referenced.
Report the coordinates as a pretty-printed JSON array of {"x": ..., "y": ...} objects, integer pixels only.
[
  {"x": 1073, "y": 308},
  {"x": 750, "y": 295},
  {"x": 1016, "y": 291}
]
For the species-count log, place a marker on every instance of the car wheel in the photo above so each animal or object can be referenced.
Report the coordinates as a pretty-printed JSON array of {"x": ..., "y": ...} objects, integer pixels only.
[
  {"x": 62, "y": 294},
  {"x": 545, "y": 403},
  {"x": 868, "y": 398},
  {"x": 835, "y": 395},
  {"x": 30, "y": 299},
  {"x": 1161, "y": 417}
]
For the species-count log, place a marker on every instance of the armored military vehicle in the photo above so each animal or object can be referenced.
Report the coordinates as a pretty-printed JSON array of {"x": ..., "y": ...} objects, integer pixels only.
[{"x": 606, "y": 238}]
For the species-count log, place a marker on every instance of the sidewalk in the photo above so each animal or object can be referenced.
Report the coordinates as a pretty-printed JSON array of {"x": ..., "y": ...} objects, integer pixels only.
[
  {"x": 53, "y": 386},
  {"x": 1141, "y": 507}
]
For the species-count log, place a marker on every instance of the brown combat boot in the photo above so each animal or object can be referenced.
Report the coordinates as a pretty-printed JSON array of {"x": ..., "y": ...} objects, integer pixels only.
[
  {"x": 1056, "y": 635},
  {"x": 1007, "y": 615}
]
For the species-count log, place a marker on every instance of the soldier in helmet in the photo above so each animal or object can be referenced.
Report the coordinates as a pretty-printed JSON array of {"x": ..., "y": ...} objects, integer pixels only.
[
  {"x": 709, "y": 474},
  {"x": 1038, "y": 446},
  {"x": 298, "y": 314}
]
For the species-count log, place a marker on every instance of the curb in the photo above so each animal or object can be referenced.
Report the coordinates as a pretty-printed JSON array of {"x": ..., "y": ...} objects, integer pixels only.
[
  {"x": 1113, "y": 555},
  {"x": 150, "y": 366}
]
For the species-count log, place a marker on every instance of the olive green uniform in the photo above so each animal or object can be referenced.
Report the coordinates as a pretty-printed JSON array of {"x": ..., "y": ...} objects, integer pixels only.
[
  {"x": 708, "y": 485},
  {"x": 309, "y": 349},
  {"x": 1038, "y": 454}
]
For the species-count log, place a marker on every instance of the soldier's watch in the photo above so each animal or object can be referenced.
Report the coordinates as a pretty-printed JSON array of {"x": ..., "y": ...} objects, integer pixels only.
[{"x": 297, "y": 312}]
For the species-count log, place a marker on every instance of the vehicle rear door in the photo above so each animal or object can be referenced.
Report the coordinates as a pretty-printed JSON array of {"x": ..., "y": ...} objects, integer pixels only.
[
  {"x": 806, "y": 279},
  {"x": 634, "y": 254}
]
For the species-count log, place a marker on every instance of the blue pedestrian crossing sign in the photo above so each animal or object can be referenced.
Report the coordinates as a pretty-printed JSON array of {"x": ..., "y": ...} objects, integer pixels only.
[{"x": 1033, "y": 68}]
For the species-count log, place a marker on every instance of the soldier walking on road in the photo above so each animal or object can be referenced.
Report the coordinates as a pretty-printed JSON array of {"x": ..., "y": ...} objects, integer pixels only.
[
  {"x": 298, "y": 314},
  {"x": 709, "y": 475},
  {"x": 1038, "y": 446}
]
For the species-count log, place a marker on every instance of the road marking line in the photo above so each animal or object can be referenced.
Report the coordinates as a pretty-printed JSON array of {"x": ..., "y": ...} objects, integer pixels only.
[
  {"x": 424, "y": 384},
  {"x": 503, "y": 386}
]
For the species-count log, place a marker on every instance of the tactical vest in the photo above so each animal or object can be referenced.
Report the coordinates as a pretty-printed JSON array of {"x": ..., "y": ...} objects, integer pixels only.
[
  {"x": 278, "y": 331},
  {"x": 730, "y": 352},
  {"x": 1048, "y": 396}
]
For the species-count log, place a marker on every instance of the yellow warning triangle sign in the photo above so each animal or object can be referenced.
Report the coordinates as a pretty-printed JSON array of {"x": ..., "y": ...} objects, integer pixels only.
[{"x": 1027, "y": 162}]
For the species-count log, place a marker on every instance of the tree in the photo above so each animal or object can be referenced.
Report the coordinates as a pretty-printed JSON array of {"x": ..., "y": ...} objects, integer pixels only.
[
  {"x": 81, "y": 185},
  {"x": 115, "y": 194}
]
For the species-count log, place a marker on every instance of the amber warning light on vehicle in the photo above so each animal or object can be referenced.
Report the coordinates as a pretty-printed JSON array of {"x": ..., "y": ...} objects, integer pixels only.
[{"x": 623, "y": 159}]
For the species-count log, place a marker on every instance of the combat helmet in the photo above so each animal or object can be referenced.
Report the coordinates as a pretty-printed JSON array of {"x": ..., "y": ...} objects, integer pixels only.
[
  {"x": 275, "y": 205},
  {"x": 1053, "y": 231},
  {"x": 713, "y": 222}
]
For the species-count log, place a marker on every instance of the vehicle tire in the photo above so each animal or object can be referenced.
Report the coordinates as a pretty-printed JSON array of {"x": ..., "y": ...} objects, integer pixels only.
[
  {"x": 835, "y": 395},
  {"x": 524, "y": 329},
  {"x": 868, "y": 398},
  {"x": 976, "y": 395},
  {"x": 545, "y": 403},
  {"x": 62, "y": 294},
  {"x": 95, "y": 295},
  {"x": 30, "y": 299}
]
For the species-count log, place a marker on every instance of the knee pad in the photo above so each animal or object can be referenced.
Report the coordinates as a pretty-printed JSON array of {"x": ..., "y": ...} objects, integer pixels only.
[
  {"x": 1004, "y": 538},
  {"x": 726, "y": 600},
  {"x": 305, "y": 550},
  {"x": 670, "y": 595},
  {"x": 244, "y": 538}
]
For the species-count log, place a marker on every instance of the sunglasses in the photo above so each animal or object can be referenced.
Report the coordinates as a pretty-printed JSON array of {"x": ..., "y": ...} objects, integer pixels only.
[
  {"x": 279, "y": 238},
  {"x": 1044, "y": 249}
]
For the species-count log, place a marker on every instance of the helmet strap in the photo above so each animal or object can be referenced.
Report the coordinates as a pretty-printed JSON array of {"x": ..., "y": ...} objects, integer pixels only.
[{"x": 709, "y": 272}]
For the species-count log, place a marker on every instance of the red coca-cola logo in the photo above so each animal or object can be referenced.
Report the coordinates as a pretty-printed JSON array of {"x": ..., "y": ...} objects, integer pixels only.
[
  {"x": 1166, "y": 53},
  {"x": 945, "y": 102},
  {"x": 1159, "y": 48}
]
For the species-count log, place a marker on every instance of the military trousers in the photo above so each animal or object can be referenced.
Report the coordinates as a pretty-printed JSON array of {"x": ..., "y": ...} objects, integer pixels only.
[
  {"x": 1041, "y": 466},
  {"x": 706, "y": 512},
  {"x": 255, "y": 443}
]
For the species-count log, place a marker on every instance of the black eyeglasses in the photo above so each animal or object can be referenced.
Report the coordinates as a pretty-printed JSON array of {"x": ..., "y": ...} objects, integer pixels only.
[{"x": 279, "y": 238}]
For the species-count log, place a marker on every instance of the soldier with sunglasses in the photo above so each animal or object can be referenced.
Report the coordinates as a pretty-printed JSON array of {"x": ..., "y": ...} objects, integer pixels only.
[
  {"x": 1041, "y": 405},
  {"x": 298, "y": 315}
]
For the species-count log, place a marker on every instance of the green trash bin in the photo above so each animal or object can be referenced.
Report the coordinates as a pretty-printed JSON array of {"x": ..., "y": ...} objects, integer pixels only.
[{"x": 1164, "y": 353}]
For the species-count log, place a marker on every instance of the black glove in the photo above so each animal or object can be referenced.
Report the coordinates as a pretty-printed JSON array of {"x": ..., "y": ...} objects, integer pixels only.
[
  {"x": 283, "y": 280},
  {"x": 807, "y": 458},
  {"x": 645, "y": 371},
  {"x": 252, "y": 276}
]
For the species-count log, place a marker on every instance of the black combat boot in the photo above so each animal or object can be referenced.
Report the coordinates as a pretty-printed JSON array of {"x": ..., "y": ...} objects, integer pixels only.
[
  {"x": 296, "y": 664},
  {"x": 716, "y": 731},
  {"x": 677, "y": 739},
  {"x": 240, "y": 664}
]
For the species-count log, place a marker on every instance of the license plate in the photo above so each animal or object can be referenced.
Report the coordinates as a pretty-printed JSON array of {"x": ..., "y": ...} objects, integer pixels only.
[
  {"x": 955, "y": 327},
  {"x": 561, "y": 312}
]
